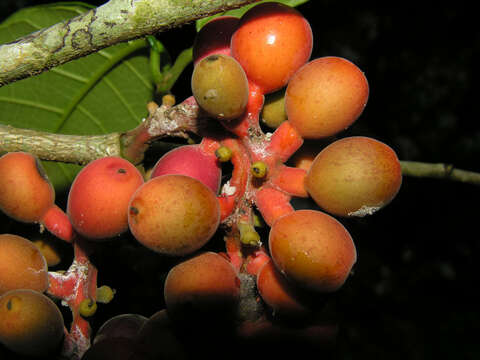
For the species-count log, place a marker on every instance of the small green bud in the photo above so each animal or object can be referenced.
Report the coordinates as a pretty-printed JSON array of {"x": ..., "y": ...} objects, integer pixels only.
[
  {"x": 248, "y": 235},
  {"x": 105, "y": 294},
  {"x": 87, "y": 307},
  {"x": 259, "y": 169},
  {"x": 223, "y": 154}
]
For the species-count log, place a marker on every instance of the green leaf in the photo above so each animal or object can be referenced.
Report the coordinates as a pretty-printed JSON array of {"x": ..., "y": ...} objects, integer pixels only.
[
  {"x": 239, "y": 12},
  {"x": 100, "y": 93}
]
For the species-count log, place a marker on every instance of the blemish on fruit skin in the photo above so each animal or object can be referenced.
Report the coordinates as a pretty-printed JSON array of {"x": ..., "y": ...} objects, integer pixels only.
[
  {"x": 365, "y": 210},
  {"x": 212, "y": 58},
  {"x": 122, "y": 171},
  {"x": 12, "y": 302}
]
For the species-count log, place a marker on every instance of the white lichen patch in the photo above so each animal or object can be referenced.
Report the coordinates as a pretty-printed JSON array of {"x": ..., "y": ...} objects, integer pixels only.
[
  {"x": 228, "y": 190},
  {"x": 365, "y": 210}
]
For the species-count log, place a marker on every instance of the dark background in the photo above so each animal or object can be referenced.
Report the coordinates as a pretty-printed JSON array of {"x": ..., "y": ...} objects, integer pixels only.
[{"x": 413, "y": 294}]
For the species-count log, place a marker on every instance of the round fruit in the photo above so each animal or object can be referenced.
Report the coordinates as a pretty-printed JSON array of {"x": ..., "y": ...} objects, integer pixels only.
[
  {"x": 354, "y": 176},
  {"x": 174, "y": 214},
  {"x": 31, "y": 323},
  {"x": 220, "y": 86},
  {"x": 99, "y": 197},
  {"x": 157, "y": 339},
  {"x": 25, "y": 191},
  {"x": 214, "y": 37},
  {"x": 204, "y": 287},
  {"x": 271, "y": 42},
  {"x": 120, "y": 326},
  {"x": 273, "y": 112},
  {"x": 312, "y": 249},
  {"x": 304, "y": 156},
  {"x": 118, "y": 348},
  {"x": 279, "y": 294},
  {"x": 325, "y": 97},
  {"x": 190, "y": 160},
  {"x": 22, "y": 265},
  {"x": 49, "y": 251}
]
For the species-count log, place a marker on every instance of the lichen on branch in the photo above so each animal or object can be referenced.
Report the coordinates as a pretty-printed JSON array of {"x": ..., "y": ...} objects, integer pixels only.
[{"x": 163, "y": 121}]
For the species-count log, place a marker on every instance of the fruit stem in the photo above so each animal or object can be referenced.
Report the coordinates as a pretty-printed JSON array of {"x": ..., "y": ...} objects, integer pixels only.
[{"x": 77, "y": 285}]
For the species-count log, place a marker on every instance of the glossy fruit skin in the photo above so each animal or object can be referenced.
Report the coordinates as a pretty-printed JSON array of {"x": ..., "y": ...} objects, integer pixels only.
[
  {"x": 312, "y": 249},
  {"x": 325, "y": 97},
  {"x": 354, "y": 176},
  {"x": 220, "y": 86},
  {"x": 25, "y": 191},
  {"x": 271, "y": 42},
  {"x": 214, "y": 37},
  {"x": 174, "y": 214},
  {"x": 31, "y": 323},
  {"x": 22, "y": 265},
  {"x": 202, "y": 288},
  {"x": 99, "y": 196},
  {"x": 190, "y": 160}
]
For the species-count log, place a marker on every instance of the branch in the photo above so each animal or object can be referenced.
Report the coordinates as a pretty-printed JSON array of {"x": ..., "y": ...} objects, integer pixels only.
[
  {"x": 439, "y": 171},
  {"x": 164, "y": 121},
  {"x": 78, "y": 149},
  {"x": 114, "y": 22}
]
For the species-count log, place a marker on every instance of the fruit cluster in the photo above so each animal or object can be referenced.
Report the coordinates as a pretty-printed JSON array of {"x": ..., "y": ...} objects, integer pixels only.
[{"x": 244, "y": 68}]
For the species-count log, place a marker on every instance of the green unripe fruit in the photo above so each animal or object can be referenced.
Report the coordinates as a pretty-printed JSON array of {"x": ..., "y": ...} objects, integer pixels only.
[
  {"x": 220, "y": 86},
  {"x": 273, "y": 112}
]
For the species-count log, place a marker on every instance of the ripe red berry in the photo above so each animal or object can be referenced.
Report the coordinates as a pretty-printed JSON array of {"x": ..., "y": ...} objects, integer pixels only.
[{"x": 271, "y": 42}]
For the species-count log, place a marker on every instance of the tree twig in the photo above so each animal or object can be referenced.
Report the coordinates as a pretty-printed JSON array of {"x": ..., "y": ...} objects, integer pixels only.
[
  {"x": 439, "y": 171},
  {"x": 109, "y": 24},
  {"x": 165, "y": 121}
]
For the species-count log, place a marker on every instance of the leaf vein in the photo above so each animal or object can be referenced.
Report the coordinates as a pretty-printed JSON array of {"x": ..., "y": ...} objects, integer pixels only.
[{"x": 33, "y": 104}]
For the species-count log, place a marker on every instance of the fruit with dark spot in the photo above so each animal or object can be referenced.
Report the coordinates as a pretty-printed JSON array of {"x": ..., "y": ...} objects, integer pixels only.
[
  {"x": 31, "y": 323},
  {"x": 220, "y": 86},
  {"x": 99, "y": 196},
  {"x": 174, "y": 214}
]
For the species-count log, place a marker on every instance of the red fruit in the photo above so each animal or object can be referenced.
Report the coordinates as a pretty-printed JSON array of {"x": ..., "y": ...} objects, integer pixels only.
[
  {"x": 99, "y": 197},
  {"x": 214, "y": 37},
  {"x": 271, "y": 42},
  {"x": 190, "y": 160}
]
